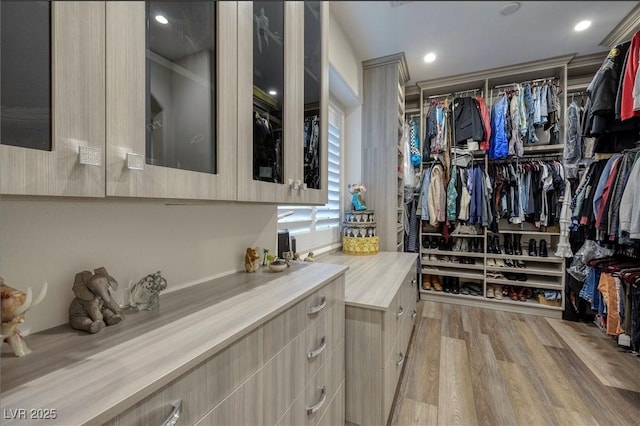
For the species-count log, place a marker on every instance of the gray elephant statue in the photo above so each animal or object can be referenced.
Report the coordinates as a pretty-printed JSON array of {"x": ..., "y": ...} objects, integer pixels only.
[{"x": 93, "y": 308}]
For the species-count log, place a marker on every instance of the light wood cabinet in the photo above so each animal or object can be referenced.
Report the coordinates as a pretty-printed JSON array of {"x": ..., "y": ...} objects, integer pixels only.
[
  {"x": 287, "y": 185},
  {"x": 127, "y": 104},
  {"x": 382, "y": 155},
  {"x": 380, "y": 308},
  {"x": 77, "y": 111}
]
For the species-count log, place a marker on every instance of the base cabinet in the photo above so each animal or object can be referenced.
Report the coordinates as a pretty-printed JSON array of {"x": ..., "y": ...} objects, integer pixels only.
[{"x": 288, "y": 371}]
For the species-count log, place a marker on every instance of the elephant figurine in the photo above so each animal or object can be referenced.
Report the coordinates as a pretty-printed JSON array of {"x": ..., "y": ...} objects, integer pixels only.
[
  {"x": 15, "y": 304},
  {"x": 93, "y": 308}
]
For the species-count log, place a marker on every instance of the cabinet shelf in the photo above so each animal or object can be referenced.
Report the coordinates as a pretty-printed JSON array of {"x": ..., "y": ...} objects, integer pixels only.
[
  {"x": 454, "y": 273},
  {"x": 525, "y": 232},
  {"x": 528, "y": 271},
  {"x": 452, "y": 253},
  {"x": 450, "y": 265},
  {"x": 527, "y": 303},
  {"x": 537, "y": 283},
  {"x": 550, "y": 259}
]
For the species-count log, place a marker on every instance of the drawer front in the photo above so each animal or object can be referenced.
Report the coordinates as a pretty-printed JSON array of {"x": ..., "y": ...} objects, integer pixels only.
[
  {"x": 391, "y": 376},
  {"x": 202, "y": 388},
  {"x": 409, "y": 291},
  {"x": 334, "y": 415},
  {"x": 329, "y": 378},
  {"x": 392, "y": 319},
  {"x": 242, "y": 407},
  {"x": 286, "y": 375},
  {"x": 285, "y": 327}
]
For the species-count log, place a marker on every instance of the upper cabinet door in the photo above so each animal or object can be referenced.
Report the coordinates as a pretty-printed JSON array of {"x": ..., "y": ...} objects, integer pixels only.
[
  {"x": 270, "y": 99},
  {"x": 316, "y": 168},
  {"x": 171, "y": 100},
  {"x": 52, "y": 100}
]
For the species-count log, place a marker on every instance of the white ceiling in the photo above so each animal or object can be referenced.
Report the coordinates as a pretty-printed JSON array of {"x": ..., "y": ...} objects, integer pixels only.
[{"x": 472, "y": 35}]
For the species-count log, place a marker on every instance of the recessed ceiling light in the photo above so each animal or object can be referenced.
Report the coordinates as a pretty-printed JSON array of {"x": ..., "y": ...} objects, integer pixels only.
[
  {"x": 273, "y": 92},
  {"x": 582, "y": 25},
  {"x": 510, "y": 8},
  {"x": 162, "y": 19},
  {"x": 430, "y": 57}
]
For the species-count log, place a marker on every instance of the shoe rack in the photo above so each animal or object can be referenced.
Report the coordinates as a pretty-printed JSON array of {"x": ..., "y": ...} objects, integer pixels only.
[{"x": 507, "y": 278}]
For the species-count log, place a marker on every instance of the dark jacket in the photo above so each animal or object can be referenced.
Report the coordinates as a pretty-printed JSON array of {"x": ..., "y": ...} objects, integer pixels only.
[{"x": 467, "y": 120}]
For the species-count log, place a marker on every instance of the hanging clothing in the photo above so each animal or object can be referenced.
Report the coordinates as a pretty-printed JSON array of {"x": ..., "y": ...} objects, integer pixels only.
[
  {"x": 486, "y": 122},
  {"x": 499, "y": 145},
  {"x": 573, "y": 149},
  {"x": 436, "y": 200},
  {"x": 629, "y": 77},
  {"x": 467, "y": 121}
]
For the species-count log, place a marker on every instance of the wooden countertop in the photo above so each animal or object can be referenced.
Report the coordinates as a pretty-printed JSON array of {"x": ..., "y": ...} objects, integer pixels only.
[
  {"x": 90, "y": 378},
  {"x": 372, "y": 281}
]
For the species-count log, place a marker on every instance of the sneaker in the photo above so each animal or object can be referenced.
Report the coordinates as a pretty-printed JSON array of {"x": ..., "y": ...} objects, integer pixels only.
[
  {"x": 490, "y": 291},
  {"x": 497, "y": 291}
]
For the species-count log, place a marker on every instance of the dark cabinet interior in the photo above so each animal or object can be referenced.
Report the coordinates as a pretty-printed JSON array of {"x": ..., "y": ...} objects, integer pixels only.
[
  {"x": 312, "y": 92},
  {"x": 181, "y": 85},
  {"x": 25, "y": 74},
  {"x": 268, "y": 90}
]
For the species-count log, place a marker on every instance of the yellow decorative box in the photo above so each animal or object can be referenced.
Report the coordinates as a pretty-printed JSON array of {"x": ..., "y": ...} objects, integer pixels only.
[{"x": 360, "y": 245}]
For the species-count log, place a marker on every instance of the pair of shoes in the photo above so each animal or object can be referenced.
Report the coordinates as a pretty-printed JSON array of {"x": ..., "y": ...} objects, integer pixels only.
[
  {"x": 517, "y": 245},
  {"x": 426, "y": 282},
  {"x": 497, "y": 291},
  {"x": 495, "y": 274},
  {"x": 508, "y": 247},
  {"x": 490, "y": 291},
  {"x": 474, "y": 288},
  {"x": 457, "y": 246},
  {"x": 525, "y": 294},
  {"x": 514, "y": 276},
  {"x": 435, "y": 283},
  {"x": 543, "y": 248}
]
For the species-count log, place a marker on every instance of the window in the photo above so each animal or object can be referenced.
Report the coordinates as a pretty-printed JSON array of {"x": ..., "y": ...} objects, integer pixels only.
[{"x": 316, "y": 227}]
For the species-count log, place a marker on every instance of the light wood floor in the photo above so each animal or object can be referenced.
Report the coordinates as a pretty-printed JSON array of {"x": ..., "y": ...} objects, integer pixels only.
[{"x": 471, "y": 366}]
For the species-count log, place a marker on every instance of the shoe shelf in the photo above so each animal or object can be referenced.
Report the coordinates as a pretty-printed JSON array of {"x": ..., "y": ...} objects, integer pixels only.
[
  {"x": 457, "y": 274},
  {"x": 527, "y": 303},
  {"x": 452, "y": 253},
  {"x": 550, "y": 259},
  {"x": 528, "y": 271},
  {"x": 537, "y": 282},
  {"x": 433, "y": 294},
  {"x": 454, "y": 265},
  {"x": 526, "y": 232}
]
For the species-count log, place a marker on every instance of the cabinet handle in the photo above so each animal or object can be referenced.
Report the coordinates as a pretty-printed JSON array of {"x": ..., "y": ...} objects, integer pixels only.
[
  {"x": 315, "y": 309},
  {"x": 135, "y": 161},
  {"x": 413, "y": 282},
  {"x": 315, "y": 352},
  {"x": 400, "y": 312},
  {"x": 89, "y": 156},
  {"x": 414, "y": 313},
  {"x": 173, "y": 418},
  {"x": 314, "y": 408},
  {"x": 401, "y": 360}
]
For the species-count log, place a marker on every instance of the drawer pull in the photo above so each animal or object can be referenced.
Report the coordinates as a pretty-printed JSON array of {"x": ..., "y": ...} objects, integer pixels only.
[
  {"x": 400, "y": 312},
  {"x": 315, "y": 309},
  {"x": 314, "y": 408},
  {"x": 413, "y": 282},
  {"x": 414, "y": 313},
  {"x": 401, "y": 360},
  {"x": 314, "y": 353},
  {"x": 175, "y": 414}
]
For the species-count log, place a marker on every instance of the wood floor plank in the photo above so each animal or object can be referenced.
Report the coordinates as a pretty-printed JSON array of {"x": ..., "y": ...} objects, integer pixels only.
[
  {"x": 423, "y": 378},
  {"x": 455, "y": 402},
  {"x": 611, "y": 368},
  {"x": 571, "y": 417},
  {"x": 555, "y": 383},
  {"x": 416, "y": 413},
  {"x": 432, "y": 310},
  {"x": 544, "y": 332},
  {"x": 488, "y": 321},
  {"x": 489, "y": 388},
  {"x": 523, "y": 397},
  {"x": 600, "y": 400},
  {"x": 471, "y": 319},
  {"x": 451, "y": 321}
]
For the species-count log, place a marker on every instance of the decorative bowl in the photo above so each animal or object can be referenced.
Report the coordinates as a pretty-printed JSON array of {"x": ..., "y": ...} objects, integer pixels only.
[{"x": 278, "y": 265}]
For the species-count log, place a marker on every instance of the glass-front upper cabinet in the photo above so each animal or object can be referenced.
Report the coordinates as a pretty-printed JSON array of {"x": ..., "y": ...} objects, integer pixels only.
[
  {"x": 171, "y": 101},
  {"x": 52, "y": 98},
  {"x": 281, "y": 74},
  {"x": 315, "y": 140}
]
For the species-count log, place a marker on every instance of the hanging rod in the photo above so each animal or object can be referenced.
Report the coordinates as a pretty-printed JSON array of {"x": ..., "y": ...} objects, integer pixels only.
[
  {"x": 525, "y": 81},
  {"x": 444, "y": 95},
  {"x": 526, "y": 157},
  {"x": 467, "y": 91}
]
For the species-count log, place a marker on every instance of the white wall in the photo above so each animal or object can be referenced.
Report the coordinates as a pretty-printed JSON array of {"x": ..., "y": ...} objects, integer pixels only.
[
  {"x": 343, "y": 59},
  {"x": 53, "y": 240}
]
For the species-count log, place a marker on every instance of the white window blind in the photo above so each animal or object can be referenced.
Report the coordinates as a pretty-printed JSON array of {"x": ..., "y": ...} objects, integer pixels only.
[{"x": 309, "y": 223}]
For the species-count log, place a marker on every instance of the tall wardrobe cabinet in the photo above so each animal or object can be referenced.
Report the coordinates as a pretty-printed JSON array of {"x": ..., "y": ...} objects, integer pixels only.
[{"x": 383, "y": 119}]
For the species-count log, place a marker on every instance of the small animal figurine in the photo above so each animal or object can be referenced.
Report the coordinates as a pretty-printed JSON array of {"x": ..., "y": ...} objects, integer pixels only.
[
  {"x": 145, "y": 294},
  {"x": 250, "y": 260},
  {"x": 15, "y": 304},
  {"x": 93, "y": 307},
  {"x": 309, "y": 257}
]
